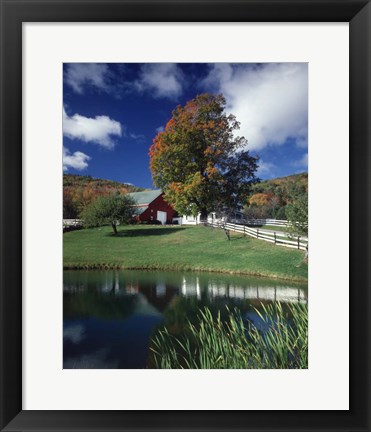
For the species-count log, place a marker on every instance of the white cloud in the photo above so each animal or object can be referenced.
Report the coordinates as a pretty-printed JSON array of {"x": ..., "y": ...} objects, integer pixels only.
[
  {"x": 302, "y": 139},
  {"x": 77, "y": 160},
  {"x": 161, "y": 80},
  {"x": 98, "y": 130},
  {"x": 137, "y": 137},
  {"x": 160, "y": 129},
  {"x": 266, "y": 169},
  {"x": 269, "y": 100},
  {"x": 80, "y": 75},
  {"x": 302, "y": 162}
]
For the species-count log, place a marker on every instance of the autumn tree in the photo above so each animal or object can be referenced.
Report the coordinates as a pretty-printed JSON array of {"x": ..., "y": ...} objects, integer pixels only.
[
  {"x": 260, "y": 199},
  {"x": 69, "y": 208},
  {"x": 262, "y": 205},
  {"x": 111, "y": 209},
  {"x": 198, "y": 161}
]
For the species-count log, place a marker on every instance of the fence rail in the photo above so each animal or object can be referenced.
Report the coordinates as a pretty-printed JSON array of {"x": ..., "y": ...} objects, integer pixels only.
[
  {"x": 274, "y": 222},
  {"x": 279, "y": 238}
]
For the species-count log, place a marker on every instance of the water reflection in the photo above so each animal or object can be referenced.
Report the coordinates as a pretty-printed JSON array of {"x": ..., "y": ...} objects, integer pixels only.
[
  {"x": 109, "y": 316},
  {"x": 285, "y": 294}
]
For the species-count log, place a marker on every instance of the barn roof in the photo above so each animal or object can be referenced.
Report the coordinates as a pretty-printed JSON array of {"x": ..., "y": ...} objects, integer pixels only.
[{"x": 146, "y": 197}]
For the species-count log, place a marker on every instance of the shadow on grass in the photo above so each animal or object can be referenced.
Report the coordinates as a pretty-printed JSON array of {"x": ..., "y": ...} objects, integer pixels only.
[
  {"x": 144, "y": 232},
  {"x": 237, "y": 238}
]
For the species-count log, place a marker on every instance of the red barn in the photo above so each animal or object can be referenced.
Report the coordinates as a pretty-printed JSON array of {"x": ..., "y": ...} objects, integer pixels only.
[{"x": 151, "y": 206}]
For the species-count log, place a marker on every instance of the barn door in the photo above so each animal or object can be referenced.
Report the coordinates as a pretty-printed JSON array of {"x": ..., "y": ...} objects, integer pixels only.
[{"x": 161, "y": 216}]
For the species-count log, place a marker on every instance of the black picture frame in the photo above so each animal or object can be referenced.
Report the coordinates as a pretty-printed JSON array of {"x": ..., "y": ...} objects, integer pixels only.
[{"x": 13, "y": 14}]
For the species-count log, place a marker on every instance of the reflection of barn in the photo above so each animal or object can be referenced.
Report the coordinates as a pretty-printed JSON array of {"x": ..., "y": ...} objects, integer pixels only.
[{"x": 151, "y": 206}]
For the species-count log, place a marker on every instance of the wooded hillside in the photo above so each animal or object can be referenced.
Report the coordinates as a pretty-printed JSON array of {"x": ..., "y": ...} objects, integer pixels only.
[
  {"x": 79, "y": 191},
  {"x": 271, "y": 198}
]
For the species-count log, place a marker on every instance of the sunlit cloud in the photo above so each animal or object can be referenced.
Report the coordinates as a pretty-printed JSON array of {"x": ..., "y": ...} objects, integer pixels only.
[
  {"x": 76, "y": 160},
  {"x": 98, "y": 130},
  {"x": 162, "y": 80},
  {"x": 80, "y": 76},
  {"x": 269, "y": 100}
]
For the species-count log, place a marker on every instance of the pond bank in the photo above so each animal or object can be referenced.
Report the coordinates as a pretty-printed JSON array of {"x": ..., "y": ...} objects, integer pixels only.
[{"x": 178, "y": 268}]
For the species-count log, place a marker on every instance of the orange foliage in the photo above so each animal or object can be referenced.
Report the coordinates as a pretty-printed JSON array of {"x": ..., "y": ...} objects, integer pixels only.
[{"x": 260, "y": 199}]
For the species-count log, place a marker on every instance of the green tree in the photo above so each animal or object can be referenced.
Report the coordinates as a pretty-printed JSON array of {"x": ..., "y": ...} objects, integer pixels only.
[
  {"x": 111, "y": 209},
  {"x": 281, "y": 213},
  {"x": 198, "y": 161},
  {"x": 297, "y": 213}
]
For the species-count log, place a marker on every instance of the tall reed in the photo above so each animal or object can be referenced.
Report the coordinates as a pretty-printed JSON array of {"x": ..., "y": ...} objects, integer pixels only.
[{"x": 281, "y": 342}]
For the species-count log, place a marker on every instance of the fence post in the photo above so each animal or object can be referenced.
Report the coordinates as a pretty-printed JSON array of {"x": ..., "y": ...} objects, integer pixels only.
[
  {"x": 298, "y": 242},
  {"x": 275, "y": 239},
  {"x": 244, "y": 230},
  {"x": 257, "y": 232}
]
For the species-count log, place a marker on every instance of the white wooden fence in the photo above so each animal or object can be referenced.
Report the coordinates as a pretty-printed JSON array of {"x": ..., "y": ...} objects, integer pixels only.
[
  {"x": 71, "y": 222},
  {"x": 274, "y": 222},
  {"x": 279, "y": 238}
]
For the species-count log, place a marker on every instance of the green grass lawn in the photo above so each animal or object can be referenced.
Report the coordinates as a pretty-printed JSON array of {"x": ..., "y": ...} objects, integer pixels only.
[{"x": 180, "y": 248}]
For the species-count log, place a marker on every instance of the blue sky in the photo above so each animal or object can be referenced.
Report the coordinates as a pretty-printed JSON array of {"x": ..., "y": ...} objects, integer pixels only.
[{"x": 112, "y": 112}]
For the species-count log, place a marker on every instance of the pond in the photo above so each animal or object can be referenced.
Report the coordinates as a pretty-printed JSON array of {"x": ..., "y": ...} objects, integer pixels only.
[{"x": 110, "y": 316}]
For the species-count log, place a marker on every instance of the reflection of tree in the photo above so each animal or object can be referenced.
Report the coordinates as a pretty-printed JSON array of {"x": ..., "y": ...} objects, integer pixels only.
[
  {"x": 183, "y": 309},
  {"x": 98, "y": 305}
]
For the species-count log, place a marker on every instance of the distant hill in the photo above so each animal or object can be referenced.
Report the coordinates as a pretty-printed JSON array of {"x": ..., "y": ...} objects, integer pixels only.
[
  {"x": 269, "y": 198},
  {"x": 286, "y": 183},
  {"x": 75, "y": 180},
  {"x": 80, "y": 190}
]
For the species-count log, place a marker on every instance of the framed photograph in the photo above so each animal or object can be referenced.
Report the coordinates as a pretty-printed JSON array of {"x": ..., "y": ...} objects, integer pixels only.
[
  {"x": 209, "y": 163},
  {"x": 173, "y": 248}
]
